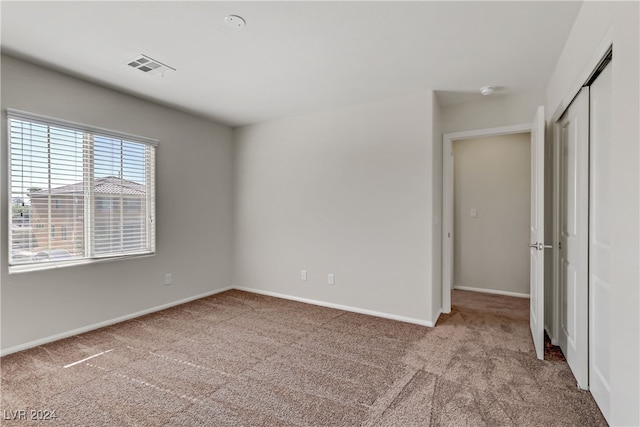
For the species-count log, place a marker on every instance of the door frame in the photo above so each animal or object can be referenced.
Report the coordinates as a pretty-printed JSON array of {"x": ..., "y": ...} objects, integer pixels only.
[{"x": 447, "y": 197}]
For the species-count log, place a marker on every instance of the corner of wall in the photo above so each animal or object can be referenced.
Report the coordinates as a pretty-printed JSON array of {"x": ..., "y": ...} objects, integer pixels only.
[{"x": 436, "y": 235}]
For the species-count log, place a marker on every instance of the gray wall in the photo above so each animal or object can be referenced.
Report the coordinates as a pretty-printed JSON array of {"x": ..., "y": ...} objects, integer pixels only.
[
  {"x": 348, "y": 191},
  {"x": 492, "y": 176},
  {"x": 194, "y": 212}
]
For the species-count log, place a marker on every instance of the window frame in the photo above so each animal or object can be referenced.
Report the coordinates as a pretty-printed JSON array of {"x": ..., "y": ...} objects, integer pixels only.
[{"x": 89, "y": 211}]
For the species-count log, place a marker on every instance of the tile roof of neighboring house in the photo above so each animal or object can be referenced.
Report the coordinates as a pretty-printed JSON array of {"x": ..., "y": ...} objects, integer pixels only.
[{"x": 104, "y": 185}]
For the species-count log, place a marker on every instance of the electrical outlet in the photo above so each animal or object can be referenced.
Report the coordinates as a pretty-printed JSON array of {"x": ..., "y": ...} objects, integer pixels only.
[
  {"x": 331, "y": 279},
  {"x": 167, "y": 279},
  {"x": 303, "y": 275}
]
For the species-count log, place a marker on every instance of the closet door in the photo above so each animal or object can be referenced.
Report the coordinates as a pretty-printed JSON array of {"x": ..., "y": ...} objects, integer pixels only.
[
  {"x": 600, "y": 238},
  {"x": 573, "y": 245}
]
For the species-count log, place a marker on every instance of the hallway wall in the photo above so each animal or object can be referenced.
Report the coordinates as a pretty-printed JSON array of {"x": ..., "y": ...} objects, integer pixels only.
[{"x": 491, "y": 177}]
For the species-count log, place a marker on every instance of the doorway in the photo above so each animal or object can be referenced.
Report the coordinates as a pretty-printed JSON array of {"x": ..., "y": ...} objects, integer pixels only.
[
  {"x": 448, "y": 236},
  {"x": 491, "y": 214}
]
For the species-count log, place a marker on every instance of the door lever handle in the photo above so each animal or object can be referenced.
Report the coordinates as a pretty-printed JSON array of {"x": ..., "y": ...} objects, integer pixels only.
[{"x": 540, "y": 246}]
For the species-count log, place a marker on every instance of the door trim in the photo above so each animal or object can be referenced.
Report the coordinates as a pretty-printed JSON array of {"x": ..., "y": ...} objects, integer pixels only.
[{"x": 447, "y": 198}]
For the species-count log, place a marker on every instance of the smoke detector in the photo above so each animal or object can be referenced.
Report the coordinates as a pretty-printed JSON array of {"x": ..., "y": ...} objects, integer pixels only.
[
  {"x": 487, "y": 90},
  {"x": 149, "y": 65}
]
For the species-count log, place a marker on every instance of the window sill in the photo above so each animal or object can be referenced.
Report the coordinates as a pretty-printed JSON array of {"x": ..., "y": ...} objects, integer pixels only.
[{"x": 26, "y": 268}]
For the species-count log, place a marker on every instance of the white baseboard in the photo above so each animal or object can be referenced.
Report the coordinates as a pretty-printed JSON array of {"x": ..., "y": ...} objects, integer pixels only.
[
  {"x": 113, "y": 321},
  {"x": 436, "y": 317},
  {"x": 492, "y": 291},
  {"x": 109, "y": 322},
  {"x": 342, "y": 307}
]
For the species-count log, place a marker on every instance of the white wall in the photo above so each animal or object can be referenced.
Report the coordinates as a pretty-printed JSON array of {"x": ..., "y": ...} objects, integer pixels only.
[
  {"x": 598, "y": 24},
  {"x": 492, "y": 176},
  {"x": 194, "y": 212},
  {"x": 347, "y": 191},
  {"x": 492, "y": 111}
]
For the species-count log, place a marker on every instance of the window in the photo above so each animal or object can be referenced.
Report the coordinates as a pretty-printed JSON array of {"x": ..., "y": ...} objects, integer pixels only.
[{"x": 96, "y": 186}]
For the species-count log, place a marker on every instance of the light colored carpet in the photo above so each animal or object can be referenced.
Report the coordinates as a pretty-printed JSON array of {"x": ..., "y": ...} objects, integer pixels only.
[{"x": 240, "y": 359}]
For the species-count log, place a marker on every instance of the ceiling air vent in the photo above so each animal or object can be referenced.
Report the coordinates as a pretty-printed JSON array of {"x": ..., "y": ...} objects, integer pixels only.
[{"x": 149, "y": 65}]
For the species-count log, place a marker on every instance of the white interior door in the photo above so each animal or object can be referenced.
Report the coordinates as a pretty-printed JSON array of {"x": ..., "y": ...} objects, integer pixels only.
[
  {"x": 573, "y": 245},
  {"x": 599, "y": 239},
  {"x": 536, "y": 234}
]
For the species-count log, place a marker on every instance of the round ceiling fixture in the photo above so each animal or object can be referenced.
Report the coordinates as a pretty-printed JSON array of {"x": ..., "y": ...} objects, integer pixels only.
[
  {"x": 235, "y": 21},
  {"x": 487, "y": 90}
]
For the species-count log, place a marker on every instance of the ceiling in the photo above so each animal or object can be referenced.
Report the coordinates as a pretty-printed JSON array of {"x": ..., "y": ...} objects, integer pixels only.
[{"x": 294, "y": 57}]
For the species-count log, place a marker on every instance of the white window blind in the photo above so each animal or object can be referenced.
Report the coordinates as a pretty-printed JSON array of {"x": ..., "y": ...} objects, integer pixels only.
[{"x": 77, "y": 193}]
